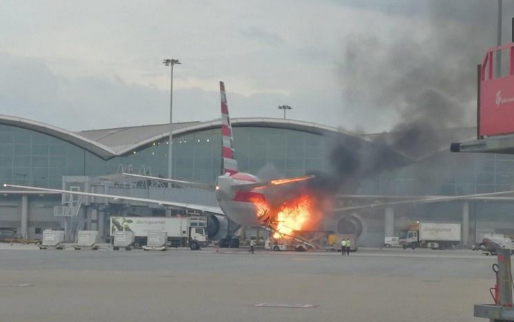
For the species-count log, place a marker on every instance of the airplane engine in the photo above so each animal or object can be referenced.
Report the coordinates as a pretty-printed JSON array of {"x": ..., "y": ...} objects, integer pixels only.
[
  {"x": 352, "y": 224},
  {"x": 217, "y": 227}
]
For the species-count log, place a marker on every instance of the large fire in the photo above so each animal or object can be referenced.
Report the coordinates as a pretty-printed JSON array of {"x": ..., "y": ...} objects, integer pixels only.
[
  {"x": 292, "y": 215},
  {"x": 261, "y": 207}
]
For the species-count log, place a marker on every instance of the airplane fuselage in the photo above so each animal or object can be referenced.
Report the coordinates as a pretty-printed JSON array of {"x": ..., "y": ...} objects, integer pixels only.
[{"x": 242, "y": 207}]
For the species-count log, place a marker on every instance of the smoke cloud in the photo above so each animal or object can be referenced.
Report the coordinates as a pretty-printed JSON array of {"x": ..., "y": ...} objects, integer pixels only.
[
  {"x": 421, "y": 81},
  {"x": 423, "y": 78}
]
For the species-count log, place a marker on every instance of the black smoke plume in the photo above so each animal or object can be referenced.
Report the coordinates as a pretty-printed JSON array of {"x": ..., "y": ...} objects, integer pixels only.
[
  {"x": 413, "y": 85},
  {"x": 421, "y": 81}
]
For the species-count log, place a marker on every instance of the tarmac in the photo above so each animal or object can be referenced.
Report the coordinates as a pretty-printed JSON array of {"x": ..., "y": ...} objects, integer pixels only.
[{"x": 233, "y": 285}]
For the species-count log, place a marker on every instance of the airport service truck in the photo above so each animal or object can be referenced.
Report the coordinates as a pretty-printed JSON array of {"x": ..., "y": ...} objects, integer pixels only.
[
  {"x": 181, "y": 231},
  {"x": 301, "y": 241},
  {"x": 286, "y": 243},
  {"x": 433, "y": 235}
]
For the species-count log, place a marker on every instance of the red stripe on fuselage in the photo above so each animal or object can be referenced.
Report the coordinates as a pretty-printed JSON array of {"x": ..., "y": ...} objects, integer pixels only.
[
  {"x": 227, "y": 152},
  {"x": 230, "y": 172},
  {"x": 243, "y": 177},
  {"x": 224, "y": 130},
  {"x": 248, "y": 196},
  {"x": 224, "y": 108}
]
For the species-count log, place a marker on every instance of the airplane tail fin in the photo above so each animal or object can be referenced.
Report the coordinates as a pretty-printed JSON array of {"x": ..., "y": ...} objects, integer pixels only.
[{"x": 229, "y": 164}]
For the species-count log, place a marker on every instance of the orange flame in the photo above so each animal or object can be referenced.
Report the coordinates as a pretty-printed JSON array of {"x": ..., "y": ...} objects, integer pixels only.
[
  {"x": 261, "y": 207},
  {"x": 292, "y": 217},
  {"x": 277, "y": 182}
]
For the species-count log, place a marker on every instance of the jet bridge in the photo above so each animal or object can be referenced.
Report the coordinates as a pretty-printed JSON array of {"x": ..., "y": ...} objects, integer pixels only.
[{"x": 93, "y": 213}]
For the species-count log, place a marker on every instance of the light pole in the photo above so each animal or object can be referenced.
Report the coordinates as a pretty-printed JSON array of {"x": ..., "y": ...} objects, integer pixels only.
[
  {"x": 499, "y": 39},
  {"x": 285, "y": 107},
  {"x": 170, "y": 62}
]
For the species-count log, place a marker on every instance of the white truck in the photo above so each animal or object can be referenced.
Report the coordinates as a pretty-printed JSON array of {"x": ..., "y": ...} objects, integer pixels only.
[
  {"x": 282, "y": 244},
  {"x": 433, "y": 235},
  {"x": 181, "y": 231},
  {"x": 391, "y": 242}
]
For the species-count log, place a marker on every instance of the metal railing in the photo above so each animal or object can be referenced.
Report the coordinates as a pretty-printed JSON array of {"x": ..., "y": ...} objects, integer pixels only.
[{"x": 70, "y": 208}]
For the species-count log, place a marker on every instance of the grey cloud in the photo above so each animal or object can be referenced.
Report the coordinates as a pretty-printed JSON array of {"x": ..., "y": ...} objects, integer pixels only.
[
  {"x": 315, "y": 54},
  {"x": 31, "y": 90},
  {"x": 261, "y": 35}
]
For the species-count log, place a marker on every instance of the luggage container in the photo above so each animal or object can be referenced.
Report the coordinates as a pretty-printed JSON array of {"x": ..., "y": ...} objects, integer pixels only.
[
  {"x": 86, "y": 239},
  {"x": 156, "y": 240},
  {"x": 123, "y": 239},
  {"x": 52, "y": 238}
]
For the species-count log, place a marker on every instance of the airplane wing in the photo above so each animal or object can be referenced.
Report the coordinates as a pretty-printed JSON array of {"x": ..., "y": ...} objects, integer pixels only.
[
  {"x": 203, "y": 186},
  {"x": 271, "y": 183},
  {"x": 481, "y": 196},
  {"x": 215, "y": 210}
]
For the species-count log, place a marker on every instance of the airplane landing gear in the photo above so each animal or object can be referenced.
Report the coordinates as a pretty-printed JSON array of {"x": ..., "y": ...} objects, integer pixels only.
[{"x": 229, "y": 242}]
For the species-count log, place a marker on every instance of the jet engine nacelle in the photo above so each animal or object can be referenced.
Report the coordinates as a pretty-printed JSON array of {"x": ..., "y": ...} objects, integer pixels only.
[{"x": 217, "y": 227}]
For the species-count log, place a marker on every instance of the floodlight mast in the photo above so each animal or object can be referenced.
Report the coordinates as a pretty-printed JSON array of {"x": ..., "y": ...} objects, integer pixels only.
[
  {"x": 171, "y": 62},
  {"x": 285, "y": 108}
]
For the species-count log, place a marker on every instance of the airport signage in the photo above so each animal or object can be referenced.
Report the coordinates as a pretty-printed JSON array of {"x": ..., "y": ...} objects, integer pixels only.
[{"x": 496, "y": 96}]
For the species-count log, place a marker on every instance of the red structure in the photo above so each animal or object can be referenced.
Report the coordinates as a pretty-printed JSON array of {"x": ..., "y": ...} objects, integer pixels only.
[{"x": 496, "y": 96}]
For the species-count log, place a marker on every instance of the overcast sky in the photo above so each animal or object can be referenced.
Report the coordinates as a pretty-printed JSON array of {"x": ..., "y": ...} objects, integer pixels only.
[{"x": 95, "y": 64}]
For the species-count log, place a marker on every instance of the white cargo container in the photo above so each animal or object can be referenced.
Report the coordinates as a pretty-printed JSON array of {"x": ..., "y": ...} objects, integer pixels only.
[
  {"x": 434, "y": 235},
  {"x": 181, "y": 231},
  {"x": 156, "y": 240},
  {"x": 123, "y": 239},
  {"x": 86, "y": 238},
  {"x": 52, "y": 238}
]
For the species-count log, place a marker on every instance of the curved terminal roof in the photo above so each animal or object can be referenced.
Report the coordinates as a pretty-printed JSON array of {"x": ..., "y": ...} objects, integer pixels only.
[
  {"x": 92, "y": 146},
  {"x": 109, "y": 143},
  {"x": 127, "y": 139}
]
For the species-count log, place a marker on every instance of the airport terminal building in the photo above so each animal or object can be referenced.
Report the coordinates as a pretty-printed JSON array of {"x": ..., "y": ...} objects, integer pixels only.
[{"x": 36, "y": 154}]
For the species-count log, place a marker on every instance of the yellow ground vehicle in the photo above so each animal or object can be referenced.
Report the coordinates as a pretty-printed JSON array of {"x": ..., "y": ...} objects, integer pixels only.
[{"x": 334, "y": 242}]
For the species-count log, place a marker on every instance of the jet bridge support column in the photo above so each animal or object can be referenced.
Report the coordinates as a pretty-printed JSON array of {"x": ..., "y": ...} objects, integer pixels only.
[
  {"x": 93, "y": 219},
  {"x": 389, "y": 222},
  {"x": 101, "y": 224},
  {"x": 89, "y": 219},
  {"x": 465, "y": 224},
  {"x": 24, "y": 215}
]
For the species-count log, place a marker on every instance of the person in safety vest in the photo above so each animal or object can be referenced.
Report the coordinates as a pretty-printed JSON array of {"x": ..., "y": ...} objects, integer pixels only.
[
  {"x": 343, "y": 246},
  {"x": 252, "y": 245}
]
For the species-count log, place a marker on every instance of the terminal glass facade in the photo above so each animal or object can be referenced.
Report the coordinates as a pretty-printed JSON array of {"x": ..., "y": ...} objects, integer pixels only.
[
  {"x": 448, "y": 174},
  {"x": 197, "y": 156},
  {"x": 32, "y": 158}
]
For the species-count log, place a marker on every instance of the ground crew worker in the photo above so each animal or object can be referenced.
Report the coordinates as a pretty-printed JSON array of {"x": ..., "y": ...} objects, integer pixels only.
[
  {"x": 348, "y": 244},
  {"x": 343, "y": 246},
  {"x": 252, "y": 246}
]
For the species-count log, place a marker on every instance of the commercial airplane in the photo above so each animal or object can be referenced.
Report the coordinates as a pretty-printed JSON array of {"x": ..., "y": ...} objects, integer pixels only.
[{"x": 241, "y": 196}]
